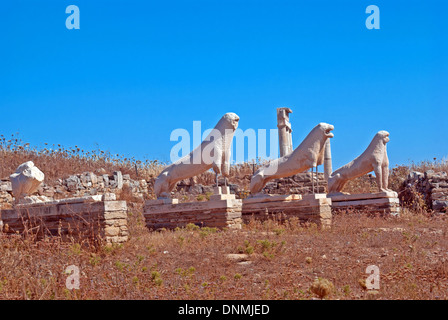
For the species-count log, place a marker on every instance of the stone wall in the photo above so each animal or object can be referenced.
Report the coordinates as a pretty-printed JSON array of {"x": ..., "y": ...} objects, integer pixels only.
[
  {"x": 430, "y": 187},
  {"x": 300, "y": 183},
  {"x": 89, "y": 183},
  {"x": 79, "y": 185},
  {"x": 6, "y": 198}
]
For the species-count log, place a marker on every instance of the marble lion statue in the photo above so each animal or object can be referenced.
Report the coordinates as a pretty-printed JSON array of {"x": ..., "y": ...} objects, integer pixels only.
[
  {"x": 309, "y": 154},
  {"x": 374, "y": 158},
  {"x": 214, "y": 152},
  {"x": 26, "y": 180}
]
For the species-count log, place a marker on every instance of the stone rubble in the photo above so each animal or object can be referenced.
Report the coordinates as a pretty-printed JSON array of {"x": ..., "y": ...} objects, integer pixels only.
[
  {"x": 79, "y": 185},
  {"x": 298, "y": 184},
  {"x": 433, "y": 186}
]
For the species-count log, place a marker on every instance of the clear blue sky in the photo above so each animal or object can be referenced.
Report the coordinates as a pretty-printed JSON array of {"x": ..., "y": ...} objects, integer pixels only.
[{"x": 136, "y": 70}]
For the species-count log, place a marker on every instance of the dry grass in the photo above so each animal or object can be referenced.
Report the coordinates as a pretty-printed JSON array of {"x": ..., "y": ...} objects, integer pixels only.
[
  {"x": 436, "y": 165},
  {"x": 59, "y": 162},
  {"x": 279, "y": 261}
]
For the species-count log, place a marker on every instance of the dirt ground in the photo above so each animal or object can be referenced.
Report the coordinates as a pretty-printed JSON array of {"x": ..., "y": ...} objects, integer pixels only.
[{"x": 261, "y": 261}]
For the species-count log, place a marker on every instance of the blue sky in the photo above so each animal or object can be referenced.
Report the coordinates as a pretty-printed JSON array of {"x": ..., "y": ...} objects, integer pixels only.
[{"x": 136, "y": 70}]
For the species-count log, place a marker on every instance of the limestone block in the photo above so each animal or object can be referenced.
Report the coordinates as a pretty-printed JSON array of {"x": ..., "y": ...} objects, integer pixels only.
[
  {"x": 34, "y": 199},
  {"x": 115, "y": 215},
  {"x": 109, "y": 197},
  {"x": 219, "y": 214},
  {"x": 26, "y": 179},
  {"x": 88, "y": 179},
  {"x": 115, "y": 206},
  {"x": 111, "y": 231},
  {"x": 363, "y": 196},
  {"x": 381, "y": 202},
  {"x": 106, "y": 180},
  {"x": 79, "y": 218},
  {"x": 118, "y": 177},
  {"x": 313, "y": 208}
]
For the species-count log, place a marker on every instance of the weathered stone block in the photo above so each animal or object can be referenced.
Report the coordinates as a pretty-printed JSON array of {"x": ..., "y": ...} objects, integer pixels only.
[
  {"x": 214, "y": 213},
  {"x": 314, "y": 208},
  {"x": 77, "y": 218},
  {"x": 382, "y": 203}
]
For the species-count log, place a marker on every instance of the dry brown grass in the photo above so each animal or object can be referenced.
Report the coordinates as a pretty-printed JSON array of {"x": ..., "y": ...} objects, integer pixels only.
[
  {"x": 436, "y": 165},
  {"x": 59, "y": 162},
  {"x": 281, "y": 261}
]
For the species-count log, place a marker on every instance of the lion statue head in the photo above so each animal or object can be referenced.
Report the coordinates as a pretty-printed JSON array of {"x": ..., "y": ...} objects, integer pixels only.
[
  {"x": 384, "y": 135},
  {"x": 326, "y": 129},
  {"x": 229, "y": 120}
]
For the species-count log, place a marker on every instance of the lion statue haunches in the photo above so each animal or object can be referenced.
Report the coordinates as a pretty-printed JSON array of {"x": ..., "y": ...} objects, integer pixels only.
[
  {"x": 214, "y": 152},
  {"x": 309, "y": 154},
  {"x": 374, "y": 158}
]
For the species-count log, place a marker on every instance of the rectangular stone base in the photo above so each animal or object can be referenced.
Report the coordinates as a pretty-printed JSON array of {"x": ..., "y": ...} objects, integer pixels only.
[
  {"x": 383, "y": 203},
  {"x": 216, "y": 213},
  {"x": 313, "y": 208},
  {"x": 92, "y": 218}
]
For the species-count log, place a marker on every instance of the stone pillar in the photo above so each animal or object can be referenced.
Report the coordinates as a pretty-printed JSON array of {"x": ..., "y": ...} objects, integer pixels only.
[
  {"x": 328, "y": 167},
  {"x": 284, "y": 131}
]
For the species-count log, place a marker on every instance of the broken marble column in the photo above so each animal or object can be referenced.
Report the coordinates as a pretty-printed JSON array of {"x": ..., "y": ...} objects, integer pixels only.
[
  {"x": 284, "y": 131},
  {"x": 328, "y": 167},
  {"x": 26, "y": 180}
]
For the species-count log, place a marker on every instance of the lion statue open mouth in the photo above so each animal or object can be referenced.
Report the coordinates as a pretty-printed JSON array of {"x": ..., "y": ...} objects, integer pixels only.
[{"x": 212, "y": 153}]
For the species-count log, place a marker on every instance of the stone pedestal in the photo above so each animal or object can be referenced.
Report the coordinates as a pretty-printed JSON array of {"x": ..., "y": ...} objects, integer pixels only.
[
  {"x": 223, "y": 210},
  {"x": 386, "y": 203},
  {"x": 92, "y": 217},
  {"x": 313, "y": 208}
]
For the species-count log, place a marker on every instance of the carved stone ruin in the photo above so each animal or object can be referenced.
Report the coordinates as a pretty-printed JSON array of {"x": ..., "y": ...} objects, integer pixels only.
[
  {"x": 25, "y": 181},
  {"x": 223, "y": 210},
  {"x": 284, "y": 131},
  {"x": 315, "y": 208},
  {"x": 374, "y": 158},
  {"x": 328, "y": 165},
  {"x": 309, "y": 154},
  {"x": 200, "y": 159},
  {"x": 385, "y": 203},
  {"x": 96, "y": 218}
]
